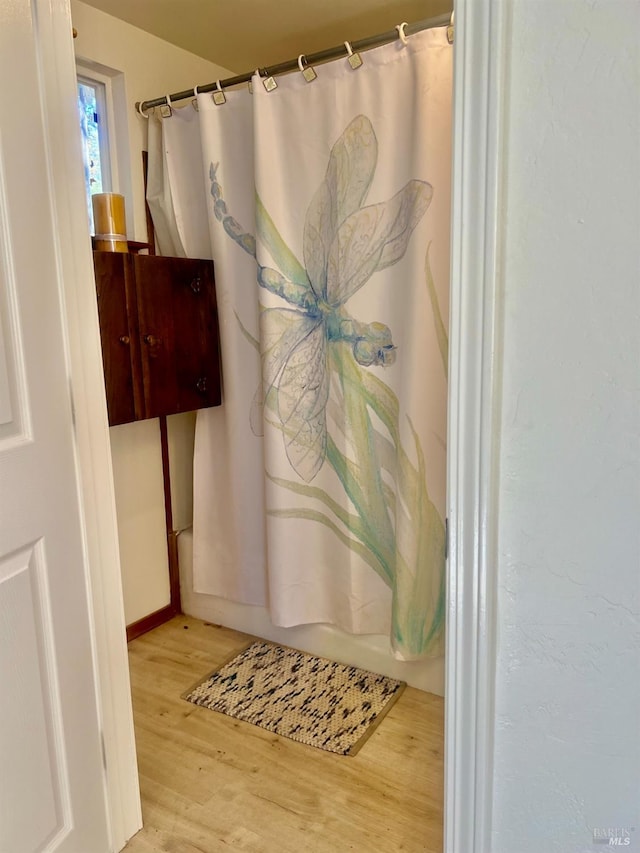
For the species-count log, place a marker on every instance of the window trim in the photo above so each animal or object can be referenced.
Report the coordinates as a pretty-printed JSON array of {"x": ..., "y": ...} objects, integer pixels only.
[
  {"x": 117, "y": 129},
  {"x": 104, "y": 129}
]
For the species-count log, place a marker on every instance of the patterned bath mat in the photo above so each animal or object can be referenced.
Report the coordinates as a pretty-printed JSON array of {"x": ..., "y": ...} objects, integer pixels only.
[{"x": 311, "y": 700}]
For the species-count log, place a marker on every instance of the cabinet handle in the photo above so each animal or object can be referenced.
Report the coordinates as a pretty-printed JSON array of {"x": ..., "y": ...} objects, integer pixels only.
[
  {"x": 201, "y": 385},
  {"x": 124, "y": 339},
  {"x": 196, "y": 284},
  {"x": 152, "y": 341}
]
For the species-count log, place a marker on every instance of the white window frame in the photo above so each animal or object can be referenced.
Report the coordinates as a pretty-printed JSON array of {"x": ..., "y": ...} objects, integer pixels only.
[
  {"x": 104, "y": 129},
  {"x": 117, "y": 131}
]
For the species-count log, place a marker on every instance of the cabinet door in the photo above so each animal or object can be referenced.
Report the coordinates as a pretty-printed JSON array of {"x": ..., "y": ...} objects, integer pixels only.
[
  {"x": 118, "y": 333},
  {"x": 178, "y": 333}
]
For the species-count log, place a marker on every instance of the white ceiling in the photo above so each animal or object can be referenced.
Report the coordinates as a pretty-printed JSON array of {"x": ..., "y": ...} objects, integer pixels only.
[{"x": 242, "y": 35}]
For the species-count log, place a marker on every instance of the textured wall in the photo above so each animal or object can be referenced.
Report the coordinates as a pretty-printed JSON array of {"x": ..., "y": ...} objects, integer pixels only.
[{"x": 568, "y": 688}]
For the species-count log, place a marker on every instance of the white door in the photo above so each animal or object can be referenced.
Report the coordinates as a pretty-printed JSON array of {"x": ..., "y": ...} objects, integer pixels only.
[{"x": 52, "y": 780}]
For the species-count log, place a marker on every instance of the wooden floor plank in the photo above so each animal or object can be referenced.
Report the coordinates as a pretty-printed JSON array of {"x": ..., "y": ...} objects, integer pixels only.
[{"x": 209, "y": 782}]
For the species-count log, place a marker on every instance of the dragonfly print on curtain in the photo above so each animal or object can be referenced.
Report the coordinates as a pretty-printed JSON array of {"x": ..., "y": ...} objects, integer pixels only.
[{"x": 317, "y": 359}]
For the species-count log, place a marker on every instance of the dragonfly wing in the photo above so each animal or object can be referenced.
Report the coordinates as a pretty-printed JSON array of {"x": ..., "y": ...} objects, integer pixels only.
[
  {"x": 303, "y": 390},
  {"x": 281, "y": 330},
  {"x": 373, "y": 238},
  {"x": 319, "y": 229},
  {"x": 352, "y": 163}
]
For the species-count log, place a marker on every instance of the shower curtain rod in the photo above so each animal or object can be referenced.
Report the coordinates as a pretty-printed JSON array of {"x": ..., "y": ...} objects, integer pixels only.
[{"x": 311, "y": 59}]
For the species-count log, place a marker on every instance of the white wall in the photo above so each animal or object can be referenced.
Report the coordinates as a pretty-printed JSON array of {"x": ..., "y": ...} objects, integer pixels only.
[
  {"x": 567, "y": 741},
  {"x": 148, "y": 67}
]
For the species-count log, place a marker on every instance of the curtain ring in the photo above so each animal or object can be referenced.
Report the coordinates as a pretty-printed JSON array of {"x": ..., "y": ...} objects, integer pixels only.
[
  {"x": 141, "y": 111},
  {"x": 166, "y": 110},
  {"x": 268, "y": 80},
  {"x": 450, "y": 29},
  {"x": 354, "y": 59},
  {"x": 306, "y": 70},
  {"x": 401, "y": 32},
  {"x": 219, "y": 96},
  {"x": 194, "y": 102}
]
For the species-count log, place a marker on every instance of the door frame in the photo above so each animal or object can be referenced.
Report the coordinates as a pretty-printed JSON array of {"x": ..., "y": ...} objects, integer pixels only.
[
  {"x": 54, "y": 44},
  {"x": 475, "y": 371},
  {"x": 473, "y": 430}
]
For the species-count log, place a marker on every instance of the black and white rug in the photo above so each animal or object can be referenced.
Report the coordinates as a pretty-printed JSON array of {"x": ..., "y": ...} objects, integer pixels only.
[{"x": 308, "y": 699}]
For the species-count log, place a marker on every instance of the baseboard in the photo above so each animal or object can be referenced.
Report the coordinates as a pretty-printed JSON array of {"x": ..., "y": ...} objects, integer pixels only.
[{"x": 148, "y": 623}]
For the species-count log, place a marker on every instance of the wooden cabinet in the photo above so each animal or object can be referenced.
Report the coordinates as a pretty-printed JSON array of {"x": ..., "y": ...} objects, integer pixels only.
[{"x": 159, "y": 331}]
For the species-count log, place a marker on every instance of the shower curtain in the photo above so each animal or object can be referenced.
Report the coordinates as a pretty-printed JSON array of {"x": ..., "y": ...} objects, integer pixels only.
[{"x": 319, "y": 485}]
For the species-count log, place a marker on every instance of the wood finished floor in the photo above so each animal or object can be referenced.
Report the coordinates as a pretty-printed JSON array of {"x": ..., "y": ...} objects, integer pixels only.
[{"x": 211, "y": 783}]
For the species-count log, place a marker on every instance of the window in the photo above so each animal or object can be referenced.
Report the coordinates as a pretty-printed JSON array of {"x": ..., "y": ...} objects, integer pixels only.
[
  {"x": 92, "y": 107},
  {"x": 103, "y": 120}
]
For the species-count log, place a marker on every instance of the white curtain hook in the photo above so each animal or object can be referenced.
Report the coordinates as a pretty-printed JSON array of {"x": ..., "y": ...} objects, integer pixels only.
[
  {"x": 195, "y": 91},
  {"x": 219, "y": 96},
  {"x": 141, "y": 111},
  {"x": 306, "y": 70},
  {"x": 450, "y": 29},
  {"x": 166, "y": 110},
  {"x": 401, "y": 32},
  {"x": 354, "y": 59}
]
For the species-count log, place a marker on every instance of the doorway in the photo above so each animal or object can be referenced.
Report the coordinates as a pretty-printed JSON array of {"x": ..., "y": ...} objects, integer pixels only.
[{"x": 469, "y": 704}]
